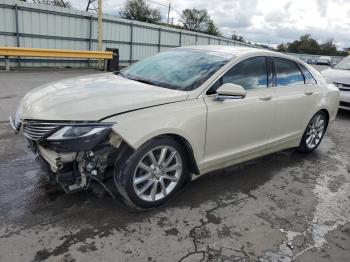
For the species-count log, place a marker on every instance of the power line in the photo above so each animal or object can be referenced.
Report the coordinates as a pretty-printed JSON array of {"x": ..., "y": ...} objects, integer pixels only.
[
  {"x": 157, "y": 3},
  {"x": 154, "y": 2},
  {"x": 167, "y": 6},
  {"x": 176, "y": 10}
]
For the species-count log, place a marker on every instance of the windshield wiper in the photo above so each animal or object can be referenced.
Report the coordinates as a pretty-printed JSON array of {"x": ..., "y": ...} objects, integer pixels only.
[
  {"x": 143, "y": 81},
  {"x": 119, "y": 73}
]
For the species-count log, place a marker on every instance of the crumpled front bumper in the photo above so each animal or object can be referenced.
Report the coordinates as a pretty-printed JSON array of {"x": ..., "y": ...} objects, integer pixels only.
[
  {"x": 15, "y": 124},
  {"x": 73, "y": 163},
  {"x": 54, "y": 159}
]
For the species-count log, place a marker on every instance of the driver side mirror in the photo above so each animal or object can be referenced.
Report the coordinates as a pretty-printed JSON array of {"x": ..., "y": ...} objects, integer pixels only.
[{"x": 230, "y": 91}]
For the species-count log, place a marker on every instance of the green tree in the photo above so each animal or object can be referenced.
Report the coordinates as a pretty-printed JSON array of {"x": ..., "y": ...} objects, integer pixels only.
[
  {"x": 195, "y": 20},
  {"x": 308, "y": 45},
  {"x": 282, "y": 48},
  {"x": 212, "y": 29},
  {"x": 328, "y": 48},
  {"x": 238, "y": 38},
  {"x": 60, "y": 3},
  {"x": 91, "y": 6},
  {"x": 140, "y": 11}
]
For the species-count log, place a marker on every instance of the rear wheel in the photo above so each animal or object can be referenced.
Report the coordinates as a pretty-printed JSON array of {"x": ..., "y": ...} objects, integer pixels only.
[
  {"x": 152, "y": 174},
  {"x": 314, "y": 132}
]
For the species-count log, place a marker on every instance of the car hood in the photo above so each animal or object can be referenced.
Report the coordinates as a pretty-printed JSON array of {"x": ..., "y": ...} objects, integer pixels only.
[
  {"x": 91, "y": 98},
  {"x": 337, "y": 76}
]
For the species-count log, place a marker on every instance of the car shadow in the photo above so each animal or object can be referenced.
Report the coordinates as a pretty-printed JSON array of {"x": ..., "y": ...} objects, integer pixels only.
[
  {"x": 98, "y": 209},
  {"x": 343, "y": 114}
]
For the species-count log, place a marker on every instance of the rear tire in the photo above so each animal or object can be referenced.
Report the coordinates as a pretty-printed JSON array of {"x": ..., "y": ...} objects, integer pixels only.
[
  {"x": 314, "y": 132},
  {"x": 151, "y": 175}
]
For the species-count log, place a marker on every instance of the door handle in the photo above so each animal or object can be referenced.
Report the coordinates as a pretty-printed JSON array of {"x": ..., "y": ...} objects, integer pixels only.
[
  {"x": 308, "y": 93},
  {"x": 265, "y": 98}
]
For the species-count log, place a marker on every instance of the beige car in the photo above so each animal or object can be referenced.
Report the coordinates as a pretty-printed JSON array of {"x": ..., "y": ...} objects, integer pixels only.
[{"x": 172, "y": 117}]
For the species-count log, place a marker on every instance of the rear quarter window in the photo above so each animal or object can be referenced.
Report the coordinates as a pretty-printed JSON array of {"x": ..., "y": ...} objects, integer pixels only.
[{"x": 309, "y": 79}]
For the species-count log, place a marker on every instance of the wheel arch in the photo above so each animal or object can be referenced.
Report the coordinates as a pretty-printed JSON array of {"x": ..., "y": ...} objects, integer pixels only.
[
  {"x": 192, "y": 163},
  {"x": 325, "y": 111},
  {"x": 302, "y": 145}
]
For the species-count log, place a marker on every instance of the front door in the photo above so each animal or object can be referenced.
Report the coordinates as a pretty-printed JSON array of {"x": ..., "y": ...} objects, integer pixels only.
[{"x": 239, "y": 126}]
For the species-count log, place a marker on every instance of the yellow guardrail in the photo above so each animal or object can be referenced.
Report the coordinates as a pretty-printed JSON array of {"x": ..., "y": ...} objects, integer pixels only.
[
  {"x": 59, "y": 53},
  {"x": 39, "y": 52}
]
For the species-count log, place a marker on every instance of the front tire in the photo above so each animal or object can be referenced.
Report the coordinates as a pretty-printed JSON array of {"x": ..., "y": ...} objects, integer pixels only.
[
  {"x": 314, "y": 132},
  {"x": 151, "y": 175}
]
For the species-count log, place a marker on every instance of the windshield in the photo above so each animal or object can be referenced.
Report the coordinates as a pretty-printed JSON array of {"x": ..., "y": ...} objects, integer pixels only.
[
  {"x": 344, "y": 64},
  {"x": 181, "y": 69}
]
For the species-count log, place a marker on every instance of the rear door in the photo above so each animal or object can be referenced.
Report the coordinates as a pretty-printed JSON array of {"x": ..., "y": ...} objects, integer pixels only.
[{"x": 295, "y": 94}]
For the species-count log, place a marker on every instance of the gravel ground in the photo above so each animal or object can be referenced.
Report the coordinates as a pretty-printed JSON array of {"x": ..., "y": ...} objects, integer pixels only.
[{"x": 286, "y": 206}]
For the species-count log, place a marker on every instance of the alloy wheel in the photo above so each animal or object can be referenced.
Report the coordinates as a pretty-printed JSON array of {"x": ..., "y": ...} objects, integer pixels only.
[
  {"x": 315, "y": 131},
  {"x": 157, "y": 173}
]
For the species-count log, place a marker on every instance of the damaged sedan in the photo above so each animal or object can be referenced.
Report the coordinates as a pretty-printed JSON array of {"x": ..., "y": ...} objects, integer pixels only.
[{"x": 166, "y": 119}]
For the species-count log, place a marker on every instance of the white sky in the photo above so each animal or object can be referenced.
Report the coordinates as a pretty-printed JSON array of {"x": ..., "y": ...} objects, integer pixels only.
[{"x": 263, "y": 21}]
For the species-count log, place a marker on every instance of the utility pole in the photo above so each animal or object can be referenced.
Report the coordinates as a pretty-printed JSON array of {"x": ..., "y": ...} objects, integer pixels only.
[
  {"x": 99, "y": 21},
  {"x": 169, "y": 12}
]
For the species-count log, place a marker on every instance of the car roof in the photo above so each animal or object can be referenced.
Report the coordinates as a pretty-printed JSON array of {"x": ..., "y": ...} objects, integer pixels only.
[
  {"x": 238, "y": 51},
  {"x": 230, "y": 50}
]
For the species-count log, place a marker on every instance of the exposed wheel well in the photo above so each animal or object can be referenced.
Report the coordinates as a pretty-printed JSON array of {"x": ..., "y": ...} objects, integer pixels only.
[
  {"x": 325, "y": 111},
  {"x": 126, "y": 151},
  {"x": 192, "y": 165}
]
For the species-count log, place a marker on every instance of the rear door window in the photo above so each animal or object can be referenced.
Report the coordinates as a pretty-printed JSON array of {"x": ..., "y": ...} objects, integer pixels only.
[{"x": 287, "y": 72}]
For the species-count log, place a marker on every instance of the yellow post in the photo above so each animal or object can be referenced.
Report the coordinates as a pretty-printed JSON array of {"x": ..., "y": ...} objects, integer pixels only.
[{"x": 99, "y": 30}]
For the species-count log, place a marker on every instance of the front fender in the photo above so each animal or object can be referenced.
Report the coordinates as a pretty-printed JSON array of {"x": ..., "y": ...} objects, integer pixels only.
[{"x": 186, "y": 119}]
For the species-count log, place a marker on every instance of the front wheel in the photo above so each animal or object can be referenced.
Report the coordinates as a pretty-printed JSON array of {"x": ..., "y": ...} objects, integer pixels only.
[
  {"x": 314, "y": 132},
  {"x": 152, "y": 174}
]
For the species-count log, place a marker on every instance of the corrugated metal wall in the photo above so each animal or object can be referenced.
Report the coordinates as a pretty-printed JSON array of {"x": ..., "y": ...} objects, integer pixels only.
[{"x": 42, "y": 26}]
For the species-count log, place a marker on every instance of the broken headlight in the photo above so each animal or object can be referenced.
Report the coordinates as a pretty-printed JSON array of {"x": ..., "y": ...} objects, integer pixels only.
[
  {"x": 78, "y": 137},
  {"x": 77, "y": 131}
]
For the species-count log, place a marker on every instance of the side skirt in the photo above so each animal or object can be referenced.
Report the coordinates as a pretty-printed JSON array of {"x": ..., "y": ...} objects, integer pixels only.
[{"x": 249, "y": 156}]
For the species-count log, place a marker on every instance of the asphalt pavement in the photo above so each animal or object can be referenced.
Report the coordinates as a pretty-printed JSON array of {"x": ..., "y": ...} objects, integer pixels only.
[{"x": 286, "y": 206}]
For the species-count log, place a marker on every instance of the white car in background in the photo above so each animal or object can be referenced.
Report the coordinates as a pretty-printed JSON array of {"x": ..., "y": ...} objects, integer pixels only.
[
  {"x": 171, "y": 117},
  {"x": 324, "y": 60},
  {"x": 340, "y": 76}
]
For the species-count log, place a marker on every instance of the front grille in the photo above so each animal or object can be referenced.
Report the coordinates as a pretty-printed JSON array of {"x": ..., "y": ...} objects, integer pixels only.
[
  {"x": 343, "y": 87},
  {"x": 345, "y": 104},
  {"x": 37, "y": 130}
]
